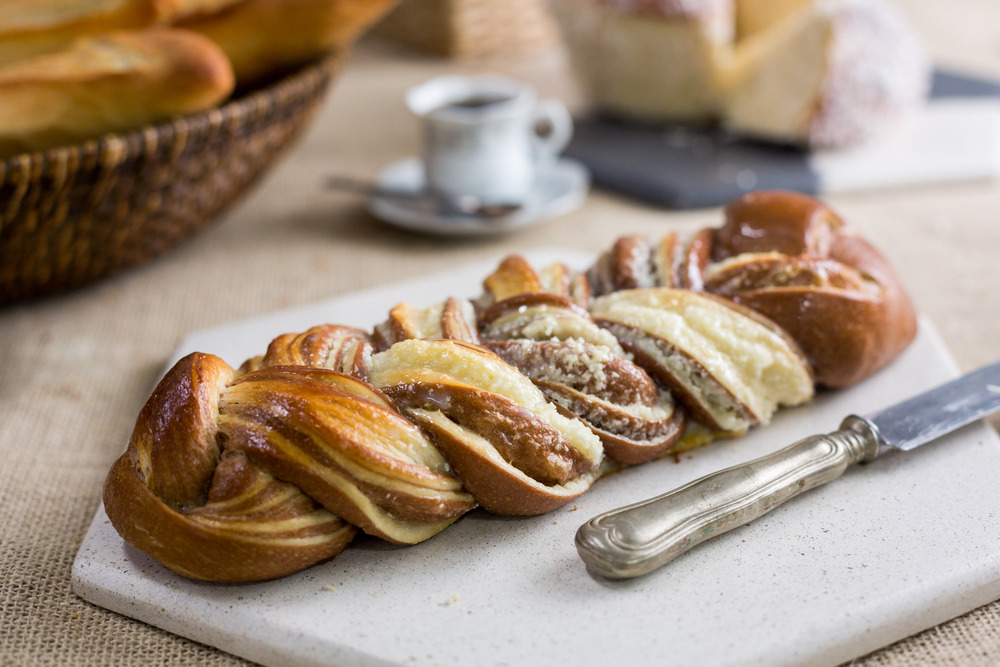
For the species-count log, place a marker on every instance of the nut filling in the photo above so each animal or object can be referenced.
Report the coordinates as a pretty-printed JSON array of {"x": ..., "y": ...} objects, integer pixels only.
[{"x": 522, "y": 438}]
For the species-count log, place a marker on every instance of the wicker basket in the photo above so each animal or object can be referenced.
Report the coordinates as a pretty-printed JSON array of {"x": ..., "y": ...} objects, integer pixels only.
[
  {"x": 72, "y": 215},
  {"x": 471, "y": 28}
]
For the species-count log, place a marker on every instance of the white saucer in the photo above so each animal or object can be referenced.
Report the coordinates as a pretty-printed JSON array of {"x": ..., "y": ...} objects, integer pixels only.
[{"x": 559, "y": 190}]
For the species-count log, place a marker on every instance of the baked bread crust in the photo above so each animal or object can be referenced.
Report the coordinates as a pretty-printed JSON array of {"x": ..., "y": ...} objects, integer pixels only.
[
  {"x": 729, "y": 367},
  {"x": 454, "y": 319},
  {"x": 583, "y": 369},
  {"x": 790, "y": 258},
  {"x": 175, "y": 496},
  {"x": 333, "y": 346},
  {"x": 277, "y": 467},
  {"x": 636, "y": 420},
  {"x": 833, "y": 292},
  {"x": 114, "y": 82},
  {"x": 30, "y": 28},
  {"x": 265, "y": 38}
]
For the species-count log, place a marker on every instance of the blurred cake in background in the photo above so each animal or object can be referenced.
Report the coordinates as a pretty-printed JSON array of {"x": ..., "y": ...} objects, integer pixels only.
[
  {"x": 658, "y": 60},
  {"x": 819, "y": 73}
]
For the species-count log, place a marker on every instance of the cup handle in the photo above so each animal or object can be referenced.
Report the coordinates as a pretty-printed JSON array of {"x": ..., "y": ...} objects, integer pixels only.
[{"x": 555, "y": 114}]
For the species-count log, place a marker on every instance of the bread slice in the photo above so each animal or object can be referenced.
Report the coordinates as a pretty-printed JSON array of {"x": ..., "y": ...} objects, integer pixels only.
[
  {"x": 728, "y": 366},
  {"x": 515, "y": 452},
  {"x": 116, "y": 82},
  {"x": 635, "y": 420}
]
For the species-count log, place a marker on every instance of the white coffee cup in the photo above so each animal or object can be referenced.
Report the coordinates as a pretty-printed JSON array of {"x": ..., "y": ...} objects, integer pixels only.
[{"x": 482, "y": 136}]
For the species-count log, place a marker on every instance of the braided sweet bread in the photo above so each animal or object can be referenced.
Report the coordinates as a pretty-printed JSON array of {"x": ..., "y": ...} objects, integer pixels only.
[
  {"x": 792, "y": 259},
  {"x": 516, "y": 402}
]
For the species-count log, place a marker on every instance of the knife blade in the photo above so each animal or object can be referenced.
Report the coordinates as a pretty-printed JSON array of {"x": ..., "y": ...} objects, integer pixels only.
[{"x": 636, "y": 539}]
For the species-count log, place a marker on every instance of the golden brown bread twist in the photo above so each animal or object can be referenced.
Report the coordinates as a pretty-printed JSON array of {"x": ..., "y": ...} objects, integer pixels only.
[
  {"x": 729, "y": 367},
  {"x": 636, "y": 420},
  {"x": 790, "y": 258},
  {"x": 333, "y": 346},
  {"x": 535, "y": 322},
  {"x": 827, "y": 287},
  {"x": 516, "y": 402},
  {"x": 203, "y": 512},
  {"x": 515, "y": 276},
  {"x": 244, "y": 478}
]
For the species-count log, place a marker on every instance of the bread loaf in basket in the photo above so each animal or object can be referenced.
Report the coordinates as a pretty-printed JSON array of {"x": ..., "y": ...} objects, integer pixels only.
[{"x": 126, "y": 126}]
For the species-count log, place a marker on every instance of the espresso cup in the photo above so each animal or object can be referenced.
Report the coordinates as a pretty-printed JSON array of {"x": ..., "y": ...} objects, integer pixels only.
[{"x": 487, "y": 137}]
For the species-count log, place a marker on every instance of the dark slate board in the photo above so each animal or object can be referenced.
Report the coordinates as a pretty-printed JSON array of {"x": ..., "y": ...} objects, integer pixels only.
[{"x": 687, "y": 167}]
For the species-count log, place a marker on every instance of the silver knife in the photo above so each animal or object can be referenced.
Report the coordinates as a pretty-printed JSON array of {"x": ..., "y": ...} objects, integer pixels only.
[{"x": 636, "y": 539}]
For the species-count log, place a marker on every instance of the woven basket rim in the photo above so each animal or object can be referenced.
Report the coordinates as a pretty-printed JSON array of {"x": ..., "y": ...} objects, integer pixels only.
[
  {"x": 305, "y": 77},
  {"x": 77, "y": 213}
]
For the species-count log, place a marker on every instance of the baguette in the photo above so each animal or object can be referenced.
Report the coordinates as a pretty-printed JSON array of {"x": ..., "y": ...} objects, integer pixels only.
[
  {"x": 265, "y": 38},
  {"x": 30, "y": 28},
  {"x": 112, "y": 83}
]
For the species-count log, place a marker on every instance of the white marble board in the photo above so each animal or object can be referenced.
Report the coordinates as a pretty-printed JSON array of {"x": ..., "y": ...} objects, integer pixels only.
[{"x": 889, "y": 549}]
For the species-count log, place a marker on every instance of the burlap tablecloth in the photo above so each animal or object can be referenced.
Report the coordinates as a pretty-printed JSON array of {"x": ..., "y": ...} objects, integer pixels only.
[{"x": 75, "y": 369}]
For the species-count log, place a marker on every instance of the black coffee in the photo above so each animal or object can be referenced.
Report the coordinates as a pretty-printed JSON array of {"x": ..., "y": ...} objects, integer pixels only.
[{"x": 475, "y": 102}]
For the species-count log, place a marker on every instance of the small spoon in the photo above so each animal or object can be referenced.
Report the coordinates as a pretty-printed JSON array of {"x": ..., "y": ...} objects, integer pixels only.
[{"x": 468, "y": 205}]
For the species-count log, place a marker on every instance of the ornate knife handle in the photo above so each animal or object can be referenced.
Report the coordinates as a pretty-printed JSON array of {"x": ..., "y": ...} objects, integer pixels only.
[{"x": 636, "y": 539}]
